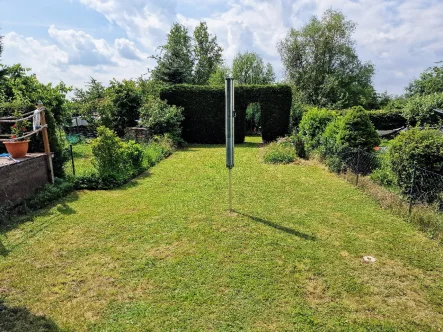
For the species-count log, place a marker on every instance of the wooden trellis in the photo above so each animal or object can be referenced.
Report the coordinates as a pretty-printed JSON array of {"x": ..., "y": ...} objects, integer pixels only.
[{"x": 41, "y": 127}]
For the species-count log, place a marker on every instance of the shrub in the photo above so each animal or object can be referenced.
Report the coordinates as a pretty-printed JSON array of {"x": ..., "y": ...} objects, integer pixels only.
[
  {"x": 279, "y": 154},
  {"x": 133, "y": 158},
  {"x": 204, "y": 110},
  {"x": 49, "y": 193},
  {"x": 160, "y": 118},
  {"x": 423, "y": 147},
  {"x": 419, "y": 110},
  {"x": 329, "y": 139},
  {"x": 357, "y": 131},
  {"x": 107, "y": 150},
  {"x": 294, "y": 142},
  {"x": 116, "y": 161},
  {"x": 313, "y": 125}
]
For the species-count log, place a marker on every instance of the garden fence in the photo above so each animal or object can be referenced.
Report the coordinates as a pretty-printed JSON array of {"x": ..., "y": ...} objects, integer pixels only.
[
  {"x": 69, "y": 166},
  {"x": 424, "y": 188}
]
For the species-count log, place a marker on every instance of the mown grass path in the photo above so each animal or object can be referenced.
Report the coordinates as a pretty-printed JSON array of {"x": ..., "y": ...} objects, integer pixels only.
[{"x": 162, "y": 253}]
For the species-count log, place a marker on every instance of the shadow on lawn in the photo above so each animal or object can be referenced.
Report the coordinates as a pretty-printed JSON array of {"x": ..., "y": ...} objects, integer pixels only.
[
  {"x": 21, "y": 319},
  {"x": 23, "y": 216},
  {"x": 279, "y": 227}
]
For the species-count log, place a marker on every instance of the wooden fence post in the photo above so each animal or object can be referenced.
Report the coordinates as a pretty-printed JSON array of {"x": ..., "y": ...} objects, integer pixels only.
[{"x": 46, "y": 145}]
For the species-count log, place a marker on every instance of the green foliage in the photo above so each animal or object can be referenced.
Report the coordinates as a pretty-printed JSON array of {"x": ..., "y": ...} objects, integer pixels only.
[
  {"x": 107, "y": 149},
  {"x": 396, "y": 104},
  {"x": 160, "y": 118},
  {"x": 116, "y": 161},
  {"x": 321, "y": 60},
  {"x": 312, "y": 126},
  {"x": 253, "y": 113},
  {"x": 204, "y": 110},
  {"x": 419, "y": 110},
  {"x": 137, "y": 159},
  {"x": 357, "y": 131},
  {"x": 329, "y": 146},
  {"x": 126, "y": 99},
  {"x": 430, "y": 82},
  {"x": 423, "y": 147},
  {"x": 248, "y": 68},
  {"x": 275, "y": 153},
  {"x": 384, "y": 120},
  {"x": 49, "y": 193},
  {"x": 219, "y": 75},
  {"x": 298, "y": 109},
  {"x": 295, "y": 142},
  {"x": 207, "y": 54},
  {"x": 175, "y": 64}
]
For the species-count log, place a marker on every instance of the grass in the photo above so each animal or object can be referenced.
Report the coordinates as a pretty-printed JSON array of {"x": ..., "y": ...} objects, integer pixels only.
[{"x": 162, "y": 253}]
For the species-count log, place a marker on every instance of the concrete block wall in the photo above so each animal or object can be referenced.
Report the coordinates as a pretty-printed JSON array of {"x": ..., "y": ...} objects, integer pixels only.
[{"x": 20, "y": 180}]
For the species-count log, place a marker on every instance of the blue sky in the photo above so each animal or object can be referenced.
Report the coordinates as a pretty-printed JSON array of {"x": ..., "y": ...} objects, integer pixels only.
[{"x": 71, "y": 40}]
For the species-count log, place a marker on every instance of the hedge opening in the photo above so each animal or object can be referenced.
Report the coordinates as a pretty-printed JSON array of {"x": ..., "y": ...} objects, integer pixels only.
[{"x": 204, "y": 110}]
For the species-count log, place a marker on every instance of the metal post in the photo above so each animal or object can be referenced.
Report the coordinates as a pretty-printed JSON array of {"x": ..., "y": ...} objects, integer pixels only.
[
  {"x": 358, "y": 166},
  {"x": 229, "y": 92},
  {"x": 72, "y": 159},
  {"x": 411, "y": 190},
  {"x": 230, "y": 189}
]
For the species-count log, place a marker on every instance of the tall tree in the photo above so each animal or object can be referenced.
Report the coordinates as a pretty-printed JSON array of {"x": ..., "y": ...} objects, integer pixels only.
[
  {"x": 207, "y": 54},
  {"x": 248, "y": 68},
  {"x": 175, "y": 63},
  {"x": 430, "y": 81},
  {"x": 219, "y": 75},
  {"x": 321, "y": 61}
]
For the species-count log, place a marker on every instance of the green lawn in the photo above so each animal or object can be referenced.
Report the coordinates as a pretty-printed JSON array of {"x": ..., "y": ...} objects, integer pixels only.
[{"x": 162, "y": 253}]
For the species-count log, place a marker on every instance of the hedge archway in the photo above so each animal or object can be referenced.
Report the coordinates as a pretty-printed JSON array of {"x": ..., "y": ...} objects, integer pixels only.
[{"x": 204, "y": 110}]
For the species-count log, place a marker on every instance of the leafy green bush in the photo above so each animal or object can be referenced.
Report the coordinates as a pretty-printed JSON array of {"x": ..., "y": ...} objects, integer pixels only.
[
  {"x": 279, "y": 154},
  {"x": 423, "y": 147},
  {"x": 133, "y": 157},
  {"x": 419, "y": 110},
  {"x": 49, "y": 193},
  {"x": 312, "y": 126},
  {"x": 107, "y": 150},
  {"x": 161, "y": 118},
  {"x": 357, "y": 131},
  {"x": 116, "y": 161}
]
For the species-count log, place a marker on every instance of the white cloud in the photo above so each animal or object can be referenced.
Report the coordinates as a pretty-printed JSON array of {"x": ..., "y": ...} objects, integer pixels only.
[{"x": 401, "y": 37}]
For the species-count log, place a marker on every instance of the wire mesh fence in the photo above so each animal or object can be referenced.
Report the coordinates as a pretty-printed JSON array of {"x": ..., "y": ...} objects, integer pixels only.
[
  {"x": 69, "y": 166},
  {"x": 421, "y": 188}
]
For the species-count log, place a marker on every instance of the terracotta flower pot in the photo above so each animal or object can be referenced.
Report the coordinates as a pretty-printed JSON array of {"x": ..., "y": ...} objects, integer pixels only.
[{"x": 17, "y": 149}]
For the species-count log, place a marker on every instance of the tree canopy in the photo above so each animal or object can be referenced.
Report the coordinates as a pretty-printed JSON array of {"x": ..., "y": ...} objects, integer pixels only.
[
  {"x": 321, "y": 61},
  {"x": 175, "y": 63},
  {"x": 207, "y": 53},
  {"x": 188, "y": 60},
  {"x": 430, "y": 81},
  {"x": 248, "y": 68}
]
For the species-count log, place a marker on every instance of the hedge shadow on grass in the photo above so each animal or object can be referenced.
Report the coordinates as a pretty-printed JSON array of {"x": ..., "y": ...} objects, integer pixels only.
[
  {"x": 21, "y": 319},
  {"x": 279, "y": 227}
]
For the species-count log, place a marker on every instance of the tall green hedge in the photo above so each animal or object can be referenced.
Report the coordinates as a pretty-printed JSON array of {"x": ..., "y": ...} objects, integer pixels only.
[
  {"x": 384, "y": 120},
  {"x": 204, "y": 110}
]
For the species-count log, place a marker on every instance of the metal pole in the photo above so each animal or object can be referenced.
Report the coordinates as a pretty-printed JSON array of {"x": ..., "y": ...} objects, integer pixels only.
[
  {"x": 230, "y": 190},
  {"x": 358, "y": 166},
  {"x": 411, "y": 190},
  {"x": 72, "y": 159}
]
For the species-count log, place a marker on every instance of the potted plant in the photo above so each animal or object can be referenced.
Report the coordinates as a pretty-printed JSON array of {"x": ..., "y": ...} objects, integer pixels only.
[{"x": 17, "y": 147}]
